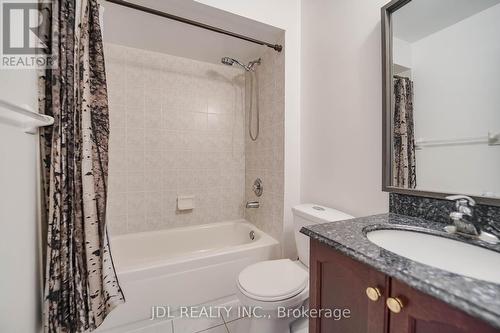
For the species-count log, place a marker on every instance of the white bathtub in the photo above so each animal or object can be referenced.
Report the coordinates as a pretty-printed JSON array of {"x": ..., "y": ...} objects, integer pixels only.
[{"x": 183, "y": 266}]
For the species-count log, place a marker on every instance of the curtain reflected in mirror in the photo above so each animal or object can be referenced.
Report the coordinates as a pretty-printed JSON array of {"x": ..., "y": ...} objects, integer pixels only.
[{"x": 404, "y": 161}]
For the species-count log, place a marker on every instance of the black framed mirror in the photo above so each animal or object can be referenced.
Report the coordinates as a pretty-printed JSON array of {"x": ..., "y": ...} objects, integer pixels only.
[{"x": 441, "y": 98}]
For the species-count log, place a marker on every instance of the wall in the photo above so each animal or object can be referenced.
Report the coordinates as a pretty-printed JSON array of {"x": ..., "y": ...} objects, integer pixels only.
[
  {"x": 265, "y": 156},
  {"x": 283, "y": 14},
  {"x": 341, "y": 91},
  {"x": 176, "y": 129},
  {"x": 456, "y": 96},
  {"x": 19, "y": 281},
  {"x": 401, "y": 51}
]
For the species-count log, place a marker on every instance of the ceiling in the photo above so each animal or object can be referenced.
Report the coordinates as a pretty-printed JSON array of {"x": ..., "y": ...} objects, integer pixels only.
[
  {"x": 421, "y": 18},
  {"x": 137, "y": 29}
]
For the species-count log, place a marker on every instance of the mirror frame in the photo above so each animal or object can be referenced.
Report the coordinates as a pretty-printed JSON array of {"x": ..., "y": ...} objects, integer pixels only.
[{"x": 387, "y": 93}]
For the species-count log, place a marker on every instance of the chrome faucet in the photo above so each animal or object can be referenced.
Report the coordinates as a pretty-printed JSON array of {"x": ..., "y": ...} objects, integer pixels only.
[
  {"x": 462, "y": 220},
  {"x": 463, "y": 216}
]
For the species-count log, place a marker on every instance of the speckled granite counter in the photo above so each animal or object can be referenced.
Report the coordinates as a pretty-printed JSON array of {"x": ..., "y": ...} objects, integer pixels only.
[{"x": 478, "y": 298}]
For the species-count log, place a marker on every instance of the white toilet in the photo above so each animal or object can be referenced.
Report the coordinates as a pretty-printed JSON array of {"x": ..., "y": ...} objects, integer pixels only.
[{"x": 271, "y": 286}]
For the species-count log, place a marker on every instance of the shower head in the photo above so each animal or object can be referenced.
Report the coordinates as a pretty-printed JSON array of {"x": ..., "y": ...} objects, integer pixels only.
[{"x": 230, "y": 62}]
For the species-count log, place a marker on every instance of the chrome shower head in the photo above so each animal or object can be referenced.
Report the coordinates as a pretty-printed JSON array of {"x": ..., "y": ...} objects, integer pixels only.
[
  {"x": 227, "y": 61},
  {"x": 231, "y": 61}
]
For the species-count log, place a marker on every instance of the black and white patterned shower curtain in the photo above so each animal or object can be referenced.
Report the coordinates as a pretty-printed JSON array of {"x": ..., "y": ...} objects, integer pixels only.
[
  {"x": 81, "y": 287},
  {"x": 404, "y": 160}
]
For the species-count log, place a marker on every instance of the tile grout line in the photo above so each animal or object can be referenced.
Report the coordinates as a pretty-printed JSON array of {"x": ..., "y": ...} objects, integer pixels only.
[
  {"x": 204, "y": 330},
  {"x": 225, "y": 324}
]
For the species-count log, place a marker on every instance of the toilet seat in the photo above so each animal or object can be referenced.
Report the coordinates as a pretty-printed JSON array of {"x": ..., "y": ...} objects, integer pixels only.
[{"x": 273, "y": 280}]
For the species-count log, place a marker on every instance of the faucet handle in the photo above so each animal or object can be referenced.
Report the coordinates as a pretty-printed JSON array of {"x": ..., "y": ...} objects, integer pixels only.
[{"x": 462, "y": 200}]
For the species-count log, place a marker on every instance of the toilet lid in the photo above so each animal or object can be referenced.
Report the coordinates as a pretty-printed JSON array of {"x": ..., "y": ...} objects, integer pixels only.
[{"x": 273, "y": 280}]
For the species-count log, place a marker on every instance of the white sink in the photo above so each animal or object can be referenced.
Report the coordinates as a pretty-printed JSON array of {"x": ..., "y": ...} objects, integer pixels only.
[{"x": 443, "y": 253}]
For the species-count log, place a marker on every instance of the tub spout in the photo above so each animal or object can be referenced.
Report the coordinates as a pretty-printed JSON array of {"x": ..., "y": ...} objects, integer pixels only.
[{"x": 253, "y": 204}]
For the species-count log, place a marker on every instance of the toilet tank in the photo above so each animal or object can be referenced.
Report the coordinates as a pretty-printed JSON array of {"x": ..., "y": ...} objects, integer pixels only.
[{"x": 307, "y": 214}]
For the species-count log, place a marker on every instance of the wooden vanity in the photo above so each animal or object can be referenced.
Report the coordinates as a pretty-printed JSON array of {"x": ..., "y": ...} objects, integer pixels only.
[{"x": 377, "y": 302}]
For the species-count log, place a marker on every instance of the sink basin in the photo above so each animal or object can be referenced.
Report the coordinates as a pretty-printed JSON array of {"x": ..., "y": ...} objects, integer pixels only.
[{"x": 443, "y": 253}]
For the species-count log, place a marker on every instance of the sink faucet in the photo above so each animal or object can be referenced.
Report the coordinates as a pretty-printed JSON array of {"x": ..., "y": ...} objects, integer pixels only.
[
  {"x": 462, "y": 220},
  {"x": 464, "y": 214}
]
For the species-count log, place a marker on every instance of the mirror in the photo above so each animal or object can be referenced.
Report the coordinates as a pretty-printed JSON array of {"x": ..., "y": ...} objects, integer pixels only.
[{"x": 442, "y": 98}]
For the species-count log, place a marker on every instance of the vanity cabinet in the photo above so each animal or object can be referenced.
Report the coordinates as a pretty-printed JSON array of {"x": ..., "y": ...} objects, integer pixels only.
[{"x": 339, "y": 282}]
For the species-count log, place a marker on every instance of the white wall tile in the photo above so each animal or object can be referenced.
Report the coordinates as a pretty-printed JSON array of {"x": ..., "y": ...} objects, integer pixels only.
[
  {"x": 117, "y": 224},
  {"x": 134, "y": 97},
  {"x": 117, "y": 182},
  {"x": 153, "y": 160},
  {"x": 117, "y": 160},
  {"x": 177, "y": 127},
  {"x": 153, "y": 180},
  {"x": 135, "y": 160},
  {"x": 136, "y": 203},
  {"x": 118, "y": 117},
  {"x": 135, "y": 139},
  {"x": 135, "y": 182},
  {"x": 264, "y": 157},
  {"x": 134, "y": 117},
  {"x": 117, "y": 137}
]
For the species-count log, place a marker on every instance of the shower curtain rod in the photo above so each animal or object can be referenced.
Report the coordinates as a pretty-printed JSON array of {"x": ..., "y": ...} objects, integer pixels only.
[{"x": 152, "y": 11}]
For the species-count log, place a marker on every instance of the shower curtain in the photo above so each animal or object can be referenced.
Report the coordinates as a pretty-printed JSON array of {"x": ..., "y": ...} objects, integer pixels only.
[
  {"x": 404, "y": 161},
  {"x": 81, "y": 287}
]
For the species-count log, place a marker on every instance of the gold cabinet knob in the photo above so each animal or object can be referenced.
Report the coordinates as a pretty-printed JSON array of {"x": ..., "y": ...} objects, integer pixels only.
[
  {"x": 373, "y": 293},
  {"x": 394, "y": 304}
]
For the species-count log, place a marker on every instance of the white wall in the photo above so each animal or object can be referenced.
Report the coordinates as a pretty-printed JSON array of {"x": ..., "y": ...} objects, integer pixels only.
[
  {"x": 401, "y": 53},
  {"x": 341, "y": 118},
  {"x": 19, "y": 279},
  {"x": 456, "y": 83},
  {"x": 283, "y": 14}
]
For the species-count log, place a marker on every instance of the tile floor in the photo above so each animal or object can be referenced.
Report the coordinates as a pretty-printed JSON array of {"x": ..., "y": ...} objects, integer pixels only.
[
  {"x": 226, "y": 323},
  {"x": 220, "y": 325},
  {"x": 239, "y": 325}
]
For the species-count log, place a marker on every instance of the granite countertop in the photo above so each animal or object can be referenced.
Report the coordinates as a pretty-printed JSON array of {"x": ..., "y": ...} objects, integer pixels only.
[{"x": 478, "y": 298}]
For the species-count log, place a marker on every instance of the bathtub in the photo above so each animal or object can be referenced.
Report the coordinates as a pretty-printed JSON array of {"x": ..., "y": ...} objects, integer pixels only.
[{"x": 183, "y": 267}]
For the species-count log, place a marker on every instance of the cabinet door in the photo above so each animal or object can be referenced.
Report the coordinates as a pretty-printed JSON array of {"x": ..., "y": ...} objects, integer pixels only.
[
  {"x": 338, "y": 282},
  {"x": 424, "y": 314}
]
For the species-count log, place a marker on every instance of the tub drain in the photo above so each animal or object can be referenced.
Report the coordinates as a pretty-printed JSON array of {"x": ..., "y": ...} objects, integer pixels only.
[{"x": 252, "y": 235}]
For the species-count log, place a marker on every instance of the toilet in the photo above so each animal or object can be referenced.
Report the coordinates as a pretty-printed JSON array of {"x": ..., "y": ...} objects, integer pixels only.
[{"x": 274, "y": 286}]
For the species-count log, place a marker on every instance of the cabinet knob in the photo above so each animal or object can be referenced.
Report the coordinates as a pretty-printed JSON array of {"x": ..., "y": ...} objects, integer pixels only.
[
  {"x": 373, "y": 293},
  {"x": 394, "y": 304}
]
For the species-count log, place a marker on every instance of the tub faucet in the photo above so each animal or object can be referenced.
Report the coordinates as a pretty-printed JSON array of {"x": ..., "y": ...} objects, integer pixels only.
[
  {"x": 253, "y": 204},
  {"x": 462, "y": 217}
]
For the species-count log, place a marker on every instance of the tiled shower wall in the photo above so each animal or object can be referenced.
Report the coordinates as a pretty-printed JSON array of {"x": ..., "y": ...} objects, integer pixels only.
[
  {"x": 264, "y": 157},
  {"x": 176, "y": 128}
]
